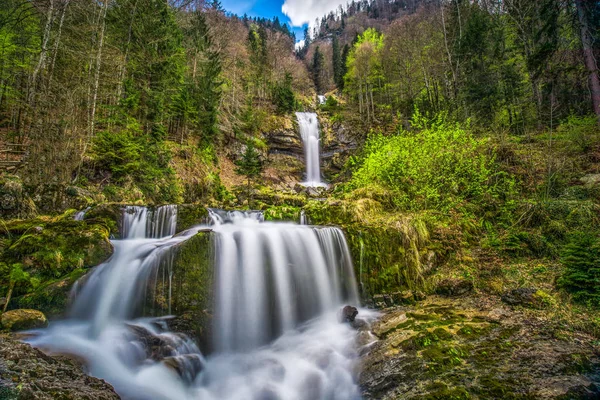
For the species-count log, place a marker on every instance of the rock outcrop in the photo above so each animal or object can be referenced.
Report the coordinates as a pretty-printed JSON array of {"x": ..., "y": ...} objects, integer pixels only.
[
  {"x": 27, "y": 373},
  {"x": 477, "y": 348},
  {"x": 21, "y": 320}
]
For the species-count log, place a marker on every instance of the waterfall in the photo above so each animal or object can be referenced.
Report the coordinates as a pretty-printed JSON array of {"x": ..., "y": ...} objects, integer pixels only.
[
  {"x": 309, "y": 130},
  {"x": 141, "y": 222},
  {"x": 278, "y": 291},
  {"x": 273, "y": 276},
  {"x": 80, "y": 215}
]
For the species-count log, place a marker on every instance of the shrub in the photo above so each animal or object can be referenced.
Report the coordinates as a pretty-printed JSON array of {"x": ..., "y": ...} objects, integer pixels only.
[
  {"x": 581, "y": 259},
  {"x": 439, "y": 167}
]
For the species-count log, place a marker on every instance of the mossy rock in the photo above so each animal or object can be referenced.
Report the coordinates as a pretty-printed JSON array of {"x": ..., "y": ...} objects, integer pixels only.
[
  {"x": 528, "y": 297},
  {"x": 22, "y": 319},
  {"x": 53, "y": 296},
  {"x": 51, "y": 253},
  {"x": 189, "y": 215}
]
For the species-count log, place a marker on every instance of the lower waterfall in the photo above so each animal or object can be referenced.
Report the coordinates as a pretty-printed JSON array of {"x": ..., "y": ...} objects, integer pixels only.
[{"x": 279, "y": 288}]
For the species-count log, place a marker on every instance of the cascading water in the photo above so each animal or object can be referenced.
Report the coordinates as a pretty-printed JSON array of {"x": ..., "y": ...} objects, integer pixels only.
[
  {"x": 309, "y": 130},
  {"x": 80, "y": 215},
  {"x": 279, "y": 288}
]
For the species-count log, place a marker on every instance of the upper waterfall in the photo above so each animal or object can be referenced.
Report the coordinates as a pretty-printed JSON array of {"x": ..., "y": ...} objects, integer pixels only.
[{"x": 309, "y": 130}]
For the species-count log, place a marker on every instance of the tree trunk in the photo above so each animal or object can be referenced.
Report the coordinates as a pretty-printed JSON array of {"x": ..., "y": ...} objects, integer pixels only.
[
  {"x": 98, "y": 64},
  {"x": 43, "y": 51},
  {"x": 10, "y": 290},
  {"x": 588, "y": 55}
]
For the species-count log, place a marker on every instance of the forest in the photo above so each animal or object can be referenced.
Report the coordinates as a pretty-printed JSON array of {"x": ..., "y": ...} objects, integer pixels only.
[{"x": 458, "y": 148}]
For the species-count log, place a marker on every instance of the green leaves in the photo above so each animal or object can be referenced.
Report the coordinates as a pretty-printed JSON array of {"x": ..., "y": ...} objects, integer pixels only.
[
  {"x": 581, "y": 258},
  {"x": 441, "y": 167}
]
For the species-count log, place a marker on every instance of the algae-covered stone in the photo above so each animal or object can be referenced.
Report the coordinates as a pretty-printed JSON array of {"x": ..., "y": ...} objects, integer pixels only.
[
  {"x": 454, "y": 287},
  {"x": 527, "y": 297},
  {"x": 19, "y": 320}
]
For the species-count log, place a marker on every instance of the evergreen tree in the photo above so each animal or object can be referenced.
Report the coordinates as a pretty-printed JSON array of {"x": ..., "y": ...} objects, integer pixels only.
[
  {"x": 249, "y": 165},
  {"x": 318, "y": 65},
  {"x": 343, "y": 66},
  {"x": 581, "y": 258},
  {"x": 337, "y": 63},
  {"x": 283, "y": 95},
  {"x": 207, "y": 82}
]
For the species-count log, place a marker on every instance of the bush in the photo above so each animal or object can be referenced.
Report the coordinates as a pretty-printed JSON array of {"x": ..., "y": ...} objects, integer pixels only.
[
  {"x": 440, "y": 167},
  {"x": 130, "y": 156},
  {"x": 581, "y": 259},
  {"x": 581, "y": 132}
]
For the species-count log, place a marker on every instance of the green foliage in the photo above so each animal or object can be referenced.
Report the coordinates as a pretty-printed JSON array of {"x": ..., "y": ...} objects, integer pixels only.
[
  {"x": 580, "y": 132},
  {"x": 581, "y": 259},
  {"x": 249, "y": 165},
  {"x": 38, "y": 252},
  {"x": 130, "y": 156},
  {"x": 318, "y": 69},
  {"x": 440, "y": 167},
  {"x": 283, "y": 95}
]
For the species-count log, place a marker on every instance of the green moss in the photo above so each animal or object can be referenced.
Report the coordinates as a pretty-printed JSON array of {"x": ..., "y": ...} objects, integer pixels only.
[
  {"x": 189, "y": 215},
  {"x": 441, "y": 391},
  {"x": 53, "y": 252}
]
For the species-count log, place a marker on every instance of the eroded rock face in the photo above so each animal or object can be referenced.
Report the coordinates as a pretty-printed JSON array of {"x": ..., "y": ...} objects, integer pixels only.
[
  {"x": 27, "y": 373},
  {"x": 20, "y": 320},
  {"x": 477, "y": 348}
]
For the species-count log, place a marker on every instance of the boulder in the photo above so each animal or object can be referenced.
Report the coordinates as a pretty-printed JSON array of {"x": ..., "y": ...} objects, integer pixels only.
[
  {"x": 526, "y": 297},
  {"x": 27, "y": 373},
  {"x": 453, "y": 287},
  {"x": 19, "y": 320},
  {"x": 349, "y": 313}
]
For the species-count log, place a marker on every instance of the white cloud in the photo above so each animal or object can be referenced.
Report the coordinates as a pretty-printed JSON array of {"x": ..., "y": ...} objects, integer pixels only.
[
  {"x": 307, "y": 11},
  {"x": 299, "y": 44}
]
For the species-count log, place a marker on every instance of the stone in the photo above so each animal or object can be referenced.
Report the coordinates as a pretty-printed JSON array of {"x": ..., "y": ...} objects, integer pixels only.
[
  {"x": 453, "y": 287},
  {"x": 590, "y": 179},
  {"x": 525, "y": 297},
  {"x": 27, "y": 373},
  {"x": 20, "y": 320},
  {"x": 349, "y": 313}
]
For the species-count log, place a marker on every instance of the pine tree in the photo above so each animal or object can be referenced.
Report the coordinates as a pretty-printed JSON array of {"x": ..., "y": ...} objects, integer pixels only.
[
  {"x": 318, "y": 64},
  {"x": 207, "y": 85},
  {"x": 337, "y": 63},
  {"x": 249, "y": 165},
  {"x": 581, "y": 258}
]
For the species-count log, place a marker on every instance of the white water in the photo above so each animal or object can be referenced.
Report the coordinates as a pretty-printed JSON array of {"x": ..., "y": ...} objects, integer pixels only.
[
  {"x": 279, "y": 288},
  {"x": 80, "y": 215},
  {"x": 309, "y": 130}
]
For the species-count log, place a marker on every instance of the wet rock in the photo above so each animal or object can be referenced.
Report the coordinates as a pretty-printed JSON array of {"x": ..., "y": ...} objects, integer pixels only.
[
  {"x": 20, "y": 320},
  {"x": 453, "y": 287},
  {"x": 525, "y": 297},
  {"x": 349, "y": 313},
  {"x": 187, "y": 366},
  {"x": 27, "y": 373}
]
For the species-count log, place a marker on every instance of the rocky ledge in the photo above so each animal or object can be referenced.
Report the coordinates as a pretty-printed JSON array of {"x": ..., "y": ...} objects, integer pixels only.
[
  {"x": 478, "y": 348},
  {"x": 27, "y": 373}
]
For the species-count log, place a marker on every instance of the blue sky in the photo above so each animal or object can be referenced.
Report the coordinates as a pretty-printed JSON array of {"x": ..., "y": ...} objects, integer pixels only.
[{"x": 261, "y": 8}]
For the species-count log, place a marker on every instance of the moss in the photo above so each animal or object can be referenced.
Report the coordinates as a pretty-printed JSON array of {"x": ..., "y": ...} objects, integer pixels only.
[
  {"x": 282, "y": 213},
  {"x": 441, "y": 391},
  {"x": 192, "y": 284},
  {"x": 189, "y": 215},
  {"x": 52, "y": 252}
]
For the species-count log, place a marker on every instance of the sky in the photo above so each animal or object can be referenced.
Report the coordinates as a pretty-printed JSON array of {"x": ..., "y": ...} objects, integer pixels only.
[{"x": 298, "y": 13}]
